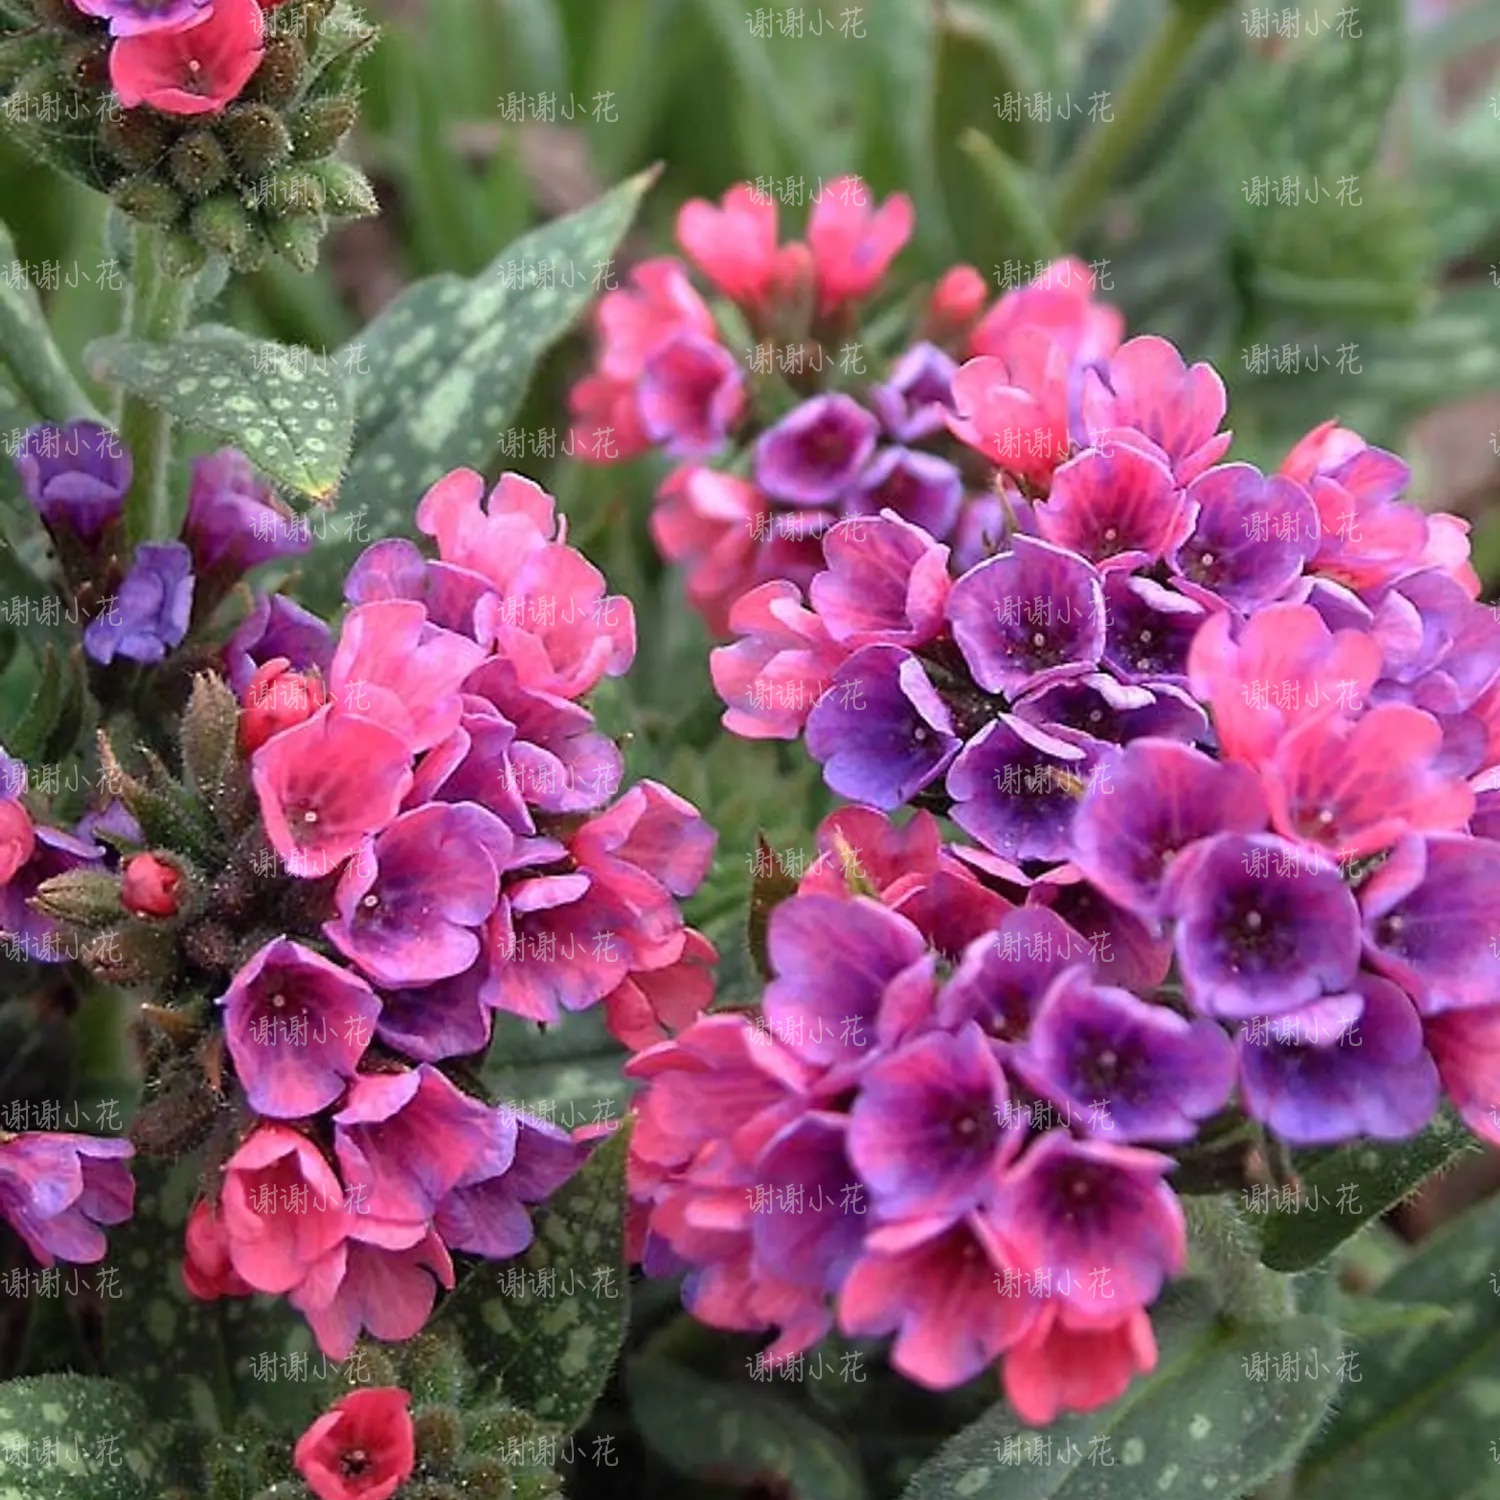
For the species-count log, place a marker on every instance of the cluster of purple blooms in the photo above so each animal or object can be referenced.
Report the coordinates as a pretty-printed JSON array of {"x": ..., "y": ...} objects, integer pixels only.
[
  {"x": 1225, "y": 746},
  {"x": 449, "y": 839}
]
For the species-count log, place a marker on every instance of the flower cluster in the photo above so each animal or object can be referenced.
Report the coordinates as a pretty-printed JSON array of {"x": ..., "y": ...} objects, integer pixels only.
[
  {"x": 375, "y": 841},
  {"x": 1226, "y": 745},
  {"x": 818, "y": 421},
  {"x": 213, "y": 119}
]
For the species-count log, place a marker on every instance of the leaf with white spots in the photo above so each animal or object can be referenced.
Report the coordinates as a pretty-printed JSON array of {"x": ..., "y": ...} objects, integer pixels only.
[
  {"x": 1423, "y": 1417},
  {"x": 443, "y": 369},
  {"x": 289, "y": 411},
  {"x": 1344, "y": 1189},
  {"x": 553, "y": 1341},
  {"x": 74, "y": 1437},
  {"x": 1227, "y": 1407}
]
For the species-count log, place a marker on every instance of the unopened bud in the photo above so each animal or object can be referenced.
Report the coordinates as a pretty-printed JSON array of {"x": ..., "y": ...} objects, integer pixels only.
[
  {"x": 151, "y": 887},
  {"x": 278, "y": 698}
]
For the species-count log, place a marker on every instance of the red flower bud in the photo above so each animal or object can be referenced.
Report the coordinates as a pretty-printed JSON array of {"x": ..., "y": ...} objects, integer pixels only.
[
  {"x": 278, "y": 698},
  {"x": 150, "y": 887},
  {"x": 956, "y": 300},
  {"x": 361, "y": 1448},
  {"x": 17, "y": 838}
]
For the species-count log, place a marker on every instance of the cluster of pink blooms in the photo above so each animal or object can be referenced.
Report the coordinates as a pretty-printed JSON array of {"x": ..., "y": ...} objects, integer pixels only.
[
  {"x": 443, "y": 768},
  {"x": 1226, "y": 745}
]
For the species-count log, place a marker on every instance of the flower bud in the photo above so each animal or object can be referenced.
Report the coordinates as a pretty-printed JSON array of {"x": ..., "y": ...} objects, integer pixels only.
[
  {"x": 17, "y": 838},
  {"x": 319, "y": 126},
  {"x": 151, "y": 887},
  {"x": 136, "y": 138},
  {"x": 150, "y": 201},
  {"x": 298, "y": 239},
  {"x": 222, "y": 224},
  {"x": 277, "y": 699},
  {"x": 86, "y": 898},
  {"x": 197, "y": 163},
  {"x": 256, "y": 138},
  {"x": 279, "y": 75},
  {"x": 956, "y": 301},
  {"x": 347, "y": 193}
]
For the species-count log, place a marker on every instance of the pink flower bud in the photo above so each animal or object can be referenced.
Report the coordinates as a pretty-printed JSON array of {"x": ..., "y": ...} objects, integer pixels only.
[{"x": 150, "y": 887}]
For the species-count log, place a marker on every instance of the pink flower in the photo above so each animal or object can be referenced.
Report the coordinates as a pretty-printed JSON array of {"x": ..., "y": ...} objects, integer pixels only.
[
  {"x": 328, "y": 784},
  {"x": 651, "y": 1006},
  {"x": 362, "y": 1448},
  {"x": 1015, "y": 410},
  {"x": 206, "y": 1267},
  {"x": 852, "y": 242},
  {"x": 1067, "y": 1364},
  {"x": 733, "y": 245},
  {"x": 393, "y": 665},
  {"x": 691, "y": 394},
  {"x": 772, "y": 679},
  {"x": 955, "y": 302},
  {"x": 491, "y": 535},
  {"x": 196, "y": 71},
  {"x": 637, "y": 320},
  {"x": 606, "y": 426},
  {"x": 1059, "y": 303},
  {"x": 281, "y": 1207},
  {"x": 278, "y": 698},
  {"x": 1147, "y": 387},
  {"x": 17, "y": 838}
]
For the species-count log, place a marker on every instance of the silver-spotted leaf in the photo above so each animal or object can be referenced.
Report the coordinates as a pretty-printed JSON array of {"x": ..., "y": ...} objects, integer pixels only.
[{"x": 74, "y": 1437}]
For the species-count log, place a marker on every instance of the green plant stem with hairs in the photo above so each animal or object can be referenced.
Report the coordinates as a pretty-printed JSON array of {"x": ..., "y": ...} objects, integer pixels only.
[{"x": 156, "y": 309}]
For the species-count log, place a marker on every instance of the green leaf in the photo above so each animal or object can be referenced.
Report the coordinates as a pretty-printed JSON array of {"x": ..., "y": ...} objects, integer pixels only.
[
  {"x": 74, "y": 1437},
  {"x": 1419, "y": 1418},
  {"x": 771, "y": 883},
  {"x": 711, "y": 1430},
  {"x": 1347, "y": 1188},
  {"x": 444, "y": 368},
  {"x": 568, "y": 1073},
  {"x": 1202, "y": 1423},
  {"x": 288, "y": 410},
  {"x": 553, "y": 1343}
]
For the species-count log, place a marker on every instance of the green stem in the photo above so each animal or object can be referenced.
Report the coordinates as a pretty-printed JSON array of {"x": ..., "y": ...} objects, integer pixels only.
[
  {"x": 1088, "y": 176},
  {"x": 156, "y": 309},
  {"x": 36, "y": 368},
  {"x": 1015, "y": 191}
]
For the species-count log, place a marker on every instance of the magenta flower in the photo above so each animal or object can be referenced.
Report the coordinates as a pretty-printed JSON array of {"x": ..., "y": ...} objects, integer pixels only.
[
  {"x": 938, "y": 1296},
  {"x": 1098, "y": 1217},
  {"x": 1102, "y": 706},
  {"x": 276, "y": 626},
  {"x": 57, "y": 1189},
  {"x": 233, "y": 520},
  {"x": 448, "y": 1019},
  {"x": 1028, "y": 618},
  {"x": 488, "y": 533},
  {"x": 919, "y": 487},
  {"x": 886, "y": 583},
  {"x": 1151, "y": 629},
  {"x": 932, "y": 1126},
  {"x": 326, "y": 785},
  {"x": 1071, "y": 1362},
  {"x": 296, "y": 1027},
  {"x": 1003, "y": 975},
  {"x": 914, "y": 401},
  {"x": 637, "y": 320},
  {"x": 1015, "y": 410},
  {"x": 733, "y": 244},
  {"x": 411, "y": 905},
  {"x": 1119, "y": 507},
  {"x": 48, "y": 852},
  {"x": 409, "y": 1138},
  {"x": 814, "y": 454},
  {"x": 691, "y": 394},
  {"x": 1122, "y": 1068},
  {"x": 1058, "y": 302}
]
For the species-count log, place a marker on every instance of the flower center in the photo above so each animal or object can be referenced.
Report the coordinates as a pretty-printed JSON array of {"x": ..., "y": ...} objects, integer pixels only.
[{"x": 354, "y": 1463}]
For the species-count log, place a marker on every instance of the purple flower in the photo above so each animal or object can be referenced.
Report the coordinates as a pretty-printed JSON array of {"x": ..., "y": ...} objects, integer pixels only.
[
  {"x": 1099, "y": 1217},
  {"x": 881, "y": 731},
  {"x": 1263, "y": 926},
  {"x": 1016, "y": 787},
  {"x": 136, "y": 17},
  {"x": 1124, "y": 950},
  {"x": 690, "y": 393},
  {"x": 912, "y": 403},
  {"x": 931, "y": 1125},
  {"x": 233, "y": 521},
  {"x": 1124, "y": 1068},
  {"x": 814, "y": 1235},
  {"x": 395, "y": 568},
  {"x": 1251, "y": 535},
  {"x": 920, "y": 487},
  {"x": 1162, "y": 796},
  {"x": 448, "y": 1019},
  {"x": 1347, "y": 1065},
  {"x": 485, "y": 1212},
  {"x": 474, "y": 764},
  {"x": 76, "y": 476},
  {"x": 411, "y": 901},
  {"x": 1107, "y": 709},
  {"x": 276, "y": 626},
  {"x": 1002, "y": 976},
  {"x": 1429, "y": 917},
  {"x": 409, "y": 1139},
  {"x": 296, "y": 1027},
  {"x": 845, "y": 970},
  {"x": 150, "y": 616},
  {"x": 815, "y": 452},
  {"x": 1150, "y": 628},
  {"x": 1029, "y": 617},
  {"x": 56, "y": 1189}
]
